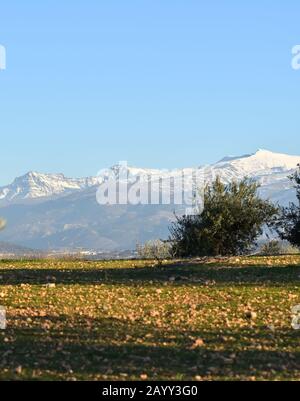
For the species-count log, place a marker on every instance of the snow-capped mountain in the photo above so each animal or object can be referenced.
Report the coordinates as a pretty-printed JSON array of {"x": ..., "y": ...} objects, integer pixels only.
[
  {"x": 35, "y": 185},
  {"x": 270, "y": 169},
  {"x": 50, "y": 211},
  {"x": 260, "y": 164}
]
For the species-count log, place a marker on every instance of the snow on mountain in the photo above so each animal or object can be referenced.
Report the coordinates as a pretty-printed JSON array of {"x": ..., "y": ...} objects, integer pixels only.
[
  {"x": 35, "y": 185},
  {"x": 262, "y": 160},
  {"x": 263, "y": 163},
  {"x": 268, "y": 168}
]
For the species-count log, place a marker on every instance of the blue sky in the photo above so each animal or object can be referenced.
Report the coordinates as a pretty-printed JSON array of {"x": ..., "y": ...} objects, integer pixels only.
[{"x": 160, "y": 83}]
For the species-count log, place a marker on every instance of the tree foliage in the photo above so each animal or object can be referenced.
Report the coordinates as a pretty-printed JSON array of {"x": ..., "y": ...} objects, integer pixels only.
[
  {"x": 271, "y": 248},
  {"x": 288, "y": 223},
  {"x": 230, "y": 223},
  {"x": 156, "y": 250}
]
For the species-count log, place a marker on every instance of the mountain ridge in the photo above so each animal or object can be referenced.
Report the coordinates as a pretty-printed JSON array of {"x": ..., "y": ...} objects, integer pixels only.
[
  {"x": 52, "y": 212},
  {"x": 40, "y": 186}
]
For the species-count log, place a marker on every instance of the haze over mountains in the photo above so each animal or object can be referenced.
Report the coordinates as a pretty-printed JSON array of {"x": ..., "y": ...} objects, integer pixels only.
[{"x": 50, "y": 211}]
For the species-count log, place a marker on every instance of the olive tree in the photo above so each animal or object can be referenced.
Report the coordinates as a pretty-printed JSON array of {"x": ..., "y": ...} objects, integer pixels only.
[
  {"x": 232, "y": 220},
  {"x": 288, "y": 222}
]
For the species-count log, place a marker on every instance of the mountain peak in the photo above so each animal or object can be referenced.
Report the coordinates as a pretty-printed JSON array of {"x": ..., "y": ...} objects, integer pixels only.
[
  {"x": 35, "y": 185},
  {"x": 29, "y": 174},
  {"x": 32, "y": 173},
  {"x": 266, "y": 152},
  {"x": 260, "y": 151},
  {"x": 37, "y": 174},
  {"x": 264, "y": 161},
  {"x": 281, "y": 158}
]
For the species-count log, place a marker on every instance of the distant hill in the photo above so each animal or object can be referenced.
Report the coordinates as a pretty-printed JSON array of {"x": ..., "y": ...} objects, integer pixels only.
[{"x": 8, "y": 248}]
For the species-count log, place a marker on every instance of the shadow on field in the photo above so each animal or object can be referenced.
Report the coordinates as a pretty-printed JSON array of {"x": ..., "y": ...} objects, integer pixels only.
[
  {"x": 175, "y": 274},
  {"x": 87, "y": 348}
]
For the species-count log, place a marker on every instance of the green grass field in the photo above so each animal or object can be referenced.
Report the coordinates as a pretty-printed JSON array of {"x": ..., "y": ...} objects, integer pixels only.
[{"x": 218, "y": 320}]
